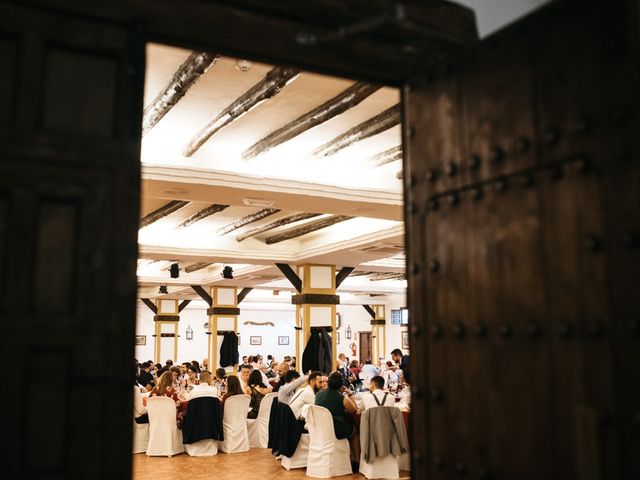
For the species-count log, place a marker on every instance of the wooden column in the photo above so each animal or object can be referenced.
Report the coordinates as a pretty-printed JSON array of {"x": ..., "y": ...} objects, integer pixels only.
[
  {"x": 316, "y": 304},
  {"x": 166, "y": 320},
  {"x": 378, "y": 333},
  {"x": 223, "y": 316}
]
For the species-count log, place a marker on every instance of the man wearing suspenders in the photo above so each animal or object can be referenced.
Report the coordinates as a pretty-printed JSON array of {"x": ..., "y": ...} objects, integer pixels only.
[{"x": 377, "y": 397}]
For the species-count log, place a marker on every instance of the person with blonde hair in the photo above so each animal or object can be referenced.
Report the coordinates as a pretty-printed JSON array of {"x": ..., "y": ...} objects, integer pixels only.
[{"x": 165, "y": 388}]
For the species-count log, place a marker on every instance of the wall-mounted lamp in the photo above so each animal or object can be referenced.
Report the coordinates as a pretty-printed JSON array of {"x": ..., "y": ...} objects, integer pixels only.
[
  {"x": 189, "y": 333},
  {"x": 347, "y": 333}
]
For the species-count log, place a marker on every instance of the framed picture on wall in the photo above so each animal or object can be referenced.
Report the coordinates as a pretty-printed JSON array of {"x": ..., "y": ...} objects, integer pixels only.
[
  {"x": 405, "y": 339},
  {"x": 396, "y": 316},
  {"x": 337, "y": 338},
  {"x": 284, "y": 340},
  {"x": 141, "y": 339},
  {"x": 257, "y": 340}
]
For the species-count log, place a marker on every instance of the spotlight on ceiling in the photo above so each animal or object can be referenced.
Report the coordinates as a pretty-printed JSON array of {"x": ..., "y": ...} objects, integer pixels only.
[
  {"x": 163, "y": 289},
  {"x": 227, "y": 272},
  {"x": 174, "y": 270},
  {"x": 243, "y": 65}
]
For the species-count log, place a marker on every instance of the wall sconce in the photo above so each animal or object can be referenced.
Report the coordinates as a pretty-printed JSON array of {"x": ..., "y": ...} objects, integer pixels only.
[
  {"x": 189, "y": 333},
  {"x": 347, "y": 333}
]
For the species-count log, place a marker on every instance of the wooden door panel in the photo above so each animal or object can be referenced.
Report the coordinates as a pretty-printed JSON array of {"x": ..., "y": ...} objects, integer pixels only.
[
  {"x": 69, "y": 193},
  {"x": 534, "y": 249}
]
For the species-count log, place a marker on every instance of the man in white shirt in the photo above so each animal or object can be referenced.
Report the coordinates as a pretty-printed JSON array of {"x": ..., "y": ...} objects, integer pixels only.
[
  {"x": 204, "y": 388},
  {"x": 377, "y": 397},
  {"x": 305, "y": 395}
]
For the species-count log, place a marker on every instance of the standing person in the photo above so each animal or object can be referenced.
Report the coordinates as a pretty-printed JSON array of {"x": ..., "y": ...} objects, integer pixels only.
[
  {"x": 257, "y": 389},
  {"x": 376, "y": 396},
  {"x": 402, "y": 360}
]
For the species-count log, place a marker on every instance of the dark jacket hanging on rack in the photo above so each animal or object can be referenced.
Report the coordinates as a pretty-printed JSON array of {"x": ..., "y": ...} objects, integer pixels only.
[
  {"x": 229, "y": 350},
  {"x": 318, "y": 355}
]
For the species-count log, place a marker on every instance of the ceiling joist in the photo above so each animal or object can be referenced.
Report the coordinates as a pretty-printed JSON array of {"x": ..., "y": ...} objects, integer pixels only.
[
  {"x": 204, "y": 213},
  {"x": 391, "y": 155},
  {"x": 342, "y": 102},
  {"x": 197, "y": 266},
  {"x": 275, "y": 224},
  {"x": 306, "y": 228},
  {"x": 185, "y": 77},
  {"x": 375, "y": 125},
  {"x": 162, "y": 212},
  {"x": 269, "y": 86},
  {"x": 254, "y": 217}
]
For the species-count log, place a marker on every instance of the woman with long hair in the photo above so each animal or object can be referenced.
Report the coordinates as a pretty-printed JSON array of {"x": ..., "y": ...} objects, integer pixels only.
[
  {"x": 233, "y": 388},
  {"x": 165, "y": 388},
  {"x": 257, "y": 389}
]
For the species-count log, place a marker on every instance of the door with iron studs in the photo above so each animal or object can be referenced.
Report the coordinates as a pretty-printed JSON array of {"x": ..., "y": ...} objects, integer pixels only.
[{"x": 523, "y": 200}]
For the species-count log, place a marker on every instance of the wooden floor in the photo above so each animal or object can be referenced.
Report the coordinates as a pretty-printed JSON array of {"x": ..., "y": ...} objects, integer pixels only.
[{"x": 256, "y": 464}]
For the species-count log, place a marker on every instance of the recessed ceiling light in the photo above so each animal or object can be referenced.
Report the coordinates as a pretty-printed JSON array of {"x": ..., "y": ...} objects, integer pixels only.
[{"x": 258, "y": 202}]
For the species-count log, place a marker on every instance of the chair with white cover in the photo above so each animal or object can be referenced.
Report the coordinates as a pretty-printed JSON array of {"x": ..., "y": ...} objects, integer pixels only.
[
  {"x": 164, "y": 437},
  {"x": 328, "y": 456},
  {"x": 202, "y": 427},
  {"x": 404, "y": 462},
  {"x": 234, "y": 424},
  {"x": 140, "y": 437},
  {"x": 300, "y": 456},
  {"x": 381, "y": 466},
  {"x": 258, "y": 428}
]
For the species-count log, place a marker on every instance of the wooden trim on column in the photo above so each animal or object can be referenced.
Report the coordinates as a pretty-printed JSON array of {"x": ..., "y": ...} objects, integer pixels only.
[
  {"x": 343, "y": 274},
  {"x": 183, "y": 305},
  {"x": 370, "y": 311},
  {"x": 292, "y": 276},
  {"x": 306, "y": 228},
  {"x": 203, "y": 294},
  {"x": 152, "y": 306},
  {"x": 161, "y": 212},
  {"x": 228, "y": 311},
  {"x": 274, "y": 81},
  {"x": 342, "y": 102},
  {"x": 315, "y": 298},
  {"x": 182, "y": 80},
  {"x": 378, "y": 124},
  {"x": 243, "y": 293}
]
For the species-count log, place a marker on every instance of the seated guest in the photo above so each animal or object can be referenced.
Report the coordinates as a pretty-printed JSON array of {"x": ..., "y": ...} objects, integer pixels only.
[
  {"x": 176, "y": 375},
  {"x": 139, "y": 408},
  {"x": 164, "y": 388},
  {"x": 191, "y": 379},
  {"x": 257, "y": 389},
  {"x": 322, "y": 382},
  {"x": 368, "y": 372},
  {"x": 245, "y": 371},
  {"x": 205, "y": 364},
  {"x": 146, "y": 378},
  {"x": 196, "y": 365},
  {"x": 205, "y": 387},
  {"x": 376, "y": 396},
  {"x": 233, "y": 388},
  {"x": 282, "y": 369},
  {"x": 168, "y": 363},
  {"x": 305, "y": 395},
  {"x": 391, "y": 374},
  {"x": 221, "y": 375},
  {"x": 340, "y": 406},
  {"x": 292, "y": 380}
]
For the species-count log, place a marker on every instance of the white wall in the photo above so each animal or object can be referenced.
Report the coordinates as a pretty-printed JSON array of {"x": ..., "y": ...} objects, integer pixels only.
[{"x": 280, "y": 314}]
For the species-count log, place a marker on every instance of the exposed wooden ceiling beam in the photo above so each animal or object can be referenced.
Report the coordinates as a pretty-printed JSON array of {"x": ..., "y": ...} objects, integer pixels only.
[
  {"x": 254, "y": 217},
  {"x": 204, "y": 213},
  {"x": 381, "y": 122},
  {"x": 292, "y": 276},
  {"x": 185, "y": 77},
  {"x": 242, "y": 294},
  {"x": 388, "y": 156},
  {"x": 386, "y": 276},
  {"x": 306, "y": 228},
  {"x": 342, "y": 274},
  {"x": 197, "y": 266},
  {"x": 342, "y": 102},
  {"x": 162, "y": 212},
  {"x": 275, "y": 224},
  {"x": 268, "y": 87}
]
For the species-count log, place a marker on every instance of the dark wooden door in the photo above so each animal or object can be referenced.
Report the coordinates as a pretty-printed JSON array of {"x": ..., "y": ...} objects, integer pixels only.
[
  {"x": 70, "y": 94},
  {"x": 523, "y": 187},
  {"x": 364, "y": 341}
]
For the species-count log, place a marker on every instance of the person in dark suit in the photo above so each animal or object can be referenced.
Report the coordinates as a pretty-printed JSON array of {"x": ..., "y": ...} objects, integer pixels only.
[{"x": 403, "y": 360}]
